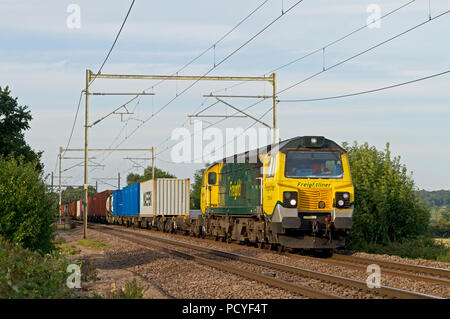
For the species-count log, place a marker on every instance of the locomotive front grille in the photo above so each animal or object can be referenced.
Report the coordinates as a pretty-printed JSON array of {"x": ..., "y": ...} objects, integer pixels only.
[{"x": 309, "y": 199}]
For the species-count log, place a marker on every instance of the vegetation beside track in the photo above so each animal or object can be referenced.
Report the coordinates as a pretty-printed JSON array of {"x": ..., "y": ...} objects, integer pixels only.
[
  {"x": 28, "y": 274},
  {"x": 422, "y": 247},
  {"x": 389, "y": 216}
]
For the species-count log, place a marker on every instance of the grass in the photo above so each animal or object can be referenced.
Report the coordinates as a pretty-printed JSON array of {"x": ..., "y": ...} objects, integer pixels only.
[
  {"x": 68, "y": 249},
  {"x": 88, "y": 270},
  {"x": 132, "y": 290},
  {"x": 93, "y": 244}
]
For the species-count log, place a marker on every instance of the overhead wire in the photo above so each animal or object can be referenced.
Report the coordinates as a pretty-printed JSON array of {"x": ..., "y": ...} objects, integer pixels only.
[
  {"x": 214, "y": 67},
  {"x": 99, "y": 71},
  {"x": 114, "y": 43},
  {"x": 367, "y": 50},
  {"x": 363, "y": 52},
  {"x": 217, "y": 42},
  {"x": 204, "y": 52},
  {"x": 326, "y": 45},
  {"x": 367, "y": 91}
]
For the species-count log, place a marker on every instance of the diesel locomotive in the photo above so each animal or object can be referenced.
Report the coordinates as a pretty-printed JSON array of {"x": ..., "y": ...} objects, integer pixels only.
[{"x": 297, "y": 193}]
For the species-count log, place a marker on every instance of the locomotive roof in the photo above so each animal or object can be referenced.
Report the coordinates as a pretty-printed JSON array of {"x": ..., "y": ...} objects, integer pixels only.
[{"x": 283, "y": 146}]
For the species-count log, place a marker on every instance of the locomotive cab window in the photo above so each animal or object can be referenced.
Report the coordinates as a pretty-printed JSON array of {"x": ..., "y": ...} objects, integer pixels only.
[
  {"x": 212, "y": 178},
  {"x": 313, "y": 164}
]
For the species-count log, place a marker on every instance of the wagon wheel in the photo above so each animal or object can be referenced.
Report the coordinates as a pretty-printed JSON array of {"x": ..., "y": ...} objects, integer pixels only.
[
  {"x": 280, "y": 248},
  {"x": 260, "y": 244}
]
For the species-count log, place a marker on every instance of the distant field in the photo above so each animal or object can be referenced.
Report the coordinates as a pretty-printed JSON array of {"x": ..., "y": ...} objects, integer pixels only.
[{"x": 445, "y": 241}]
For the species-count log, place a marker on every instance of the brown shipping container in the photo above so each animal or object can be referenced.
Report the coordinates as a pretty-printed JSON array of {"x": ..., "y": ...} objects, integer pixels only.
[
  {"x": 97, "y": 204},
  {"x": 73, "y": 209}
]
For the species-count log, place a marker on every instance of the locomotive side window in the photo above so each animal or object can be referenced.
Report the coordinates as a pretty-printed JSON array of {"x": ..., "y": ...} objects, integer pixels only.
[
  {"x": 313, "y": 164},
  {"x": 212, "y": 178}
]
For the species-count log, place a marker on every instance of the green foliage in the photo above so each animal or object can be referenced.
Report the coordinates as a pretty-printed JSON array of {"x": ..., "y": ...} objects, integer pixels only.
[
  {"x": 14, "y": 120},
  {"x": 27, "y": 274},
  {"x": 68, "y": 249},
  {"x": 421, "y": 247},
  {"x": 88, "y": 270},
  {"x": 435, "y": 198},
  {"x": 72, "y": 194},
  {"x": 387, "y": 206},
  {"x": 94, "y": 244},
  {"x": 26, "y": 210},
  {"x": 439, "y": 201},
  {"x": 440, "y": 227},
  {"x": 132, "y": 290},
  {"x": 196, "y": 188},
  {"x": 136, "y": 178}
]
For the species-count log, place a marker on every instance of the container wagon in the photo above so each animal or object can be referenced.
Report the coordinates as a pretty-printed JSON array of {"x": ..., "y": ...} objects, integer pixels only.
[
  {"x": 98, "y": 205},
  {"x": 125, "y": 205},
  {"x": 164, "y": 203}
]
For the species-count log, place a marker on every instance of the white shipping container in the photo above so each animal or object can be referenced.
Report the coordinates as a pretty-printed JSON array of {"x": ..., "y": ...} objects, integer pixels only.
[
  {"x": 168, "y": 197},
  {"x": 79, "y": 207}
]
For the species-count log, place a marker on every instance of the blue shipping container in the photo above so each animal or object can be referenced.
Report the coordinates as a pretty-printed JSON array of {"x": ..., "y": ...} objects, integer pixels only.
[{"x": 126, "y": 201}]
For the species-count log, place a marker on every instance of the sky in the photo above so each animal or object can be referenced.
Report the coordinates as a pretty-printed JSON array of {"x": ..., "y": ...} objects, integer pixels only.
[{"x": 44, "y": 54}]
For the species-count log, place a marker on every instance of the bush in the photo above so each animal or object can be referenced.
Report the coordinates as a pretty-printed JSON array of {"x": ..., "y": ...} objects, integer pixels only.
[
  {"x": 387, "y": 206},
  {"x": 421, "y": 247},
  {"x": 28, "y": 274},
  {"x": 132, "y": 290},
  {"x": 26, "y": 210}
]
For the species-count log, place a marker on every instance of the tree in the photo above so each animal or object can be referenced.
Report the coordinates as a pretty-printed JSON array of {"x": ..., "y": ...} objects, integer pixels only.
[
  {"x": 159, "y": 173},
  {"x": 14, "y": 121},
  {"x": 387, "y": 205},
  {"x": 26, "y": 207},
  {"x": 196, "y": 188},
  {"x": 72, "y": 194}
]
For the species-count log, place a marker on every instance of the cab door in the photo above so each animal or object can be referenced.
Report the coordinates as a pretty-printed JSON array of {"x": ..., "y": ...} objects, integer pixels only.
[
  {"x": 210, "y": 188},
  {"x": 269, "y": 191}
]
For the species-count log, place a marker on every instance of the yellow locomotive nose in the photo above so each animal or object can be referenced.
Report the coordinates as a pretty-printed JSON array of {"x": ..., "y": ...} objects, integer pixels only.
[{"x": 317, "y": 199}]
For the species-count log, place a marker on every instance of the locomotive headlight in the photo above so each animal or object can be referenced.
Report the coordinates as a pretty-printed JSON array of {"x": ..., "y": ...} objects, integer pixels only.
[
  {"x": 290, "y": 199},
  {"x": 342, "y": 199}
]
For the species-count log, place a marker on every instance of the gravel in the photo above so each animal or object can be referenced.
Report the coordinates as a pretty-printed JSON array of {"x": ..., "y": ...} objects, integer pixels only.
[
  {"x": 322, "y": 266},
  {"x": 176, "y": 277}
]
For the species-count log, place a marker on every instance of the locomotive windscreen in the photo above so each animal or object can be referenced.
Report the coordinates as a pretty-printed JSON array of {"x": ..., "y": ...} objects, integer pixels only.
[{"x": 313, "y": 164}]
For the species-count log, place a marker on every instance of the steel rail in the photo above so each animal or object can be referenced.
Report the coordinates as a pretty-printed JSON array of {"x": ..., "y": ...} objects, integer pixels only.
[
  {"x": 302, "y": 290},
  {"x": 353, "y": 283},
  {"x": 443, "y": 273}
]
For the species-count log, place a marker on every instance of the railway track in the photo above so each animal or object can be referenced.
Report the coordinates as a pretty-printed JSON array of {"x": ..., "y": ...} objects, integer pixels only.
[
  {"x": 433, "y": 275},
  {"x": 217, "y": 258},
  {"x": 430, "y": 274}
]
